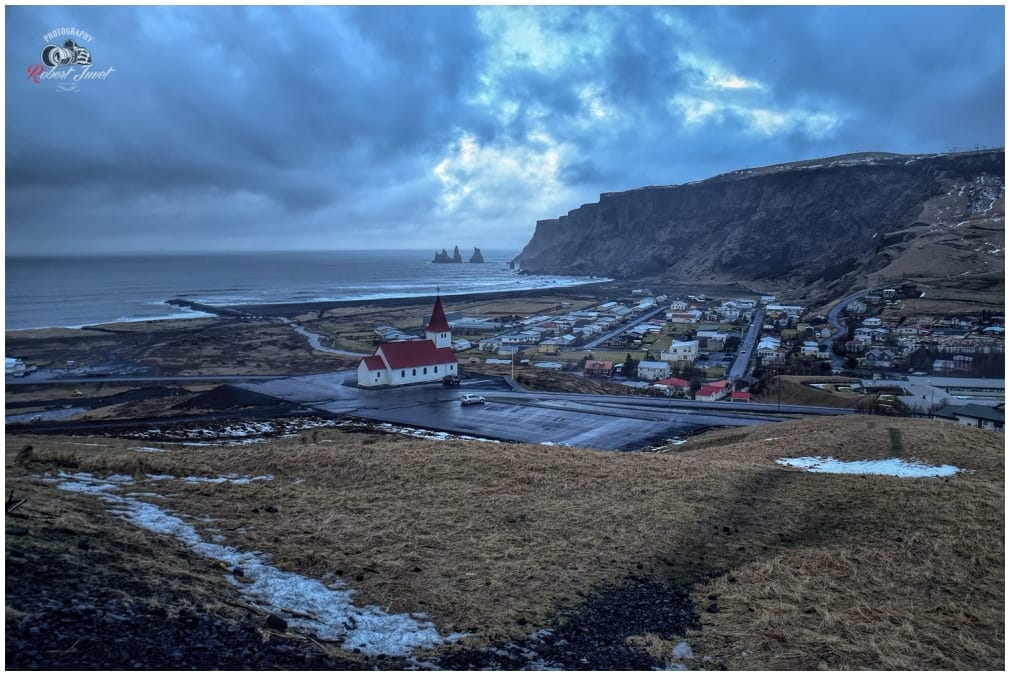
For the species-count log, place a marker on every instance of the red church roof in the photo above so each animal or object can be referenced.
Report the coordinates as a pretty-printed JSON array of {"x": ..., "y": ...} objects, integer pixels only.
[
  {"x": 413, "y": 353},
  {"x": 438, "y": 323},
  {"x": 374, "y": 363}
]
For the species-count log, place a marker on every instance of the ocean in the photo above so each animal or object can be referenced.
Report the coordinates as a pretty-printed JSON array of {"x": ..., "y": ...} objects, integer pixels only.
[{"x": 46, "y": 292}]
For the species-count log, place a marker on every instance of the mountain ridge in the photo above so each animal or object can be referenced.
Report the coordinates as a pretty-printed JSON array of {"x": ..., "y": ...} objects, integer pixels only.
[{"x": 808, "y": 227}]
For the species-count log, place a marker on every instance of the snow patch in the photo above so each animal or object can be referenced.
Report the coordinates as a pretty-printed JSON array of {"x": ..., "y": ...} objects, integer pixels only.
[
  {"x": 898, "y": 467},
  {"x": 326, "y": 610},
  {"x": 430, "y": 434},
  {"x": 228, "y": 478}
]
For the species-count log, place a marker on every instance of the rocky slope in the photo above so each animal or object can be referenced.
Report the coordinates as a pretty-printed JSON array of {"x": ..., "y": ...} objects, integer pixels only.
[{"x": 832, "y": 223}]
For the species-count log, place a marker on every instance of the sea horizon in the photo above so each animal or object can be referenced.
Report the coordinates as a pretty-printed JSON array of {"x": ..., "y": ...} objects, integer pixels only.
[{"x": 71, "y": 291}]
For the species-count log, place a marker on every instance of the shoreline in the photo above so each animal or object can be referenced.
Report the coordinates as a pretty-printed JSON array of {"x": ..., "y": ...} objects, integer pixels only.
[
  {"x": 195, "y": 310},
  {"x": 299, "y": 307}
]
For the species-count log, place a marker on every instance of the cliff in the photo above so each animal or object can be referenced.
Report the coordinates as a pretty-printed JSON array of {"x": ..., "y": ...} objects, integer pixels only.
[{"x": 831, "y": 222}]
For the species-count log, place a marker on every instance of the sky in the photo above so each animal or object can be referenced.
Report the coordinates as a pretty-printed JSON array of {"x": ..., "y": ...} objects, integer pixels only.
[{"x": 417, "y": 127}]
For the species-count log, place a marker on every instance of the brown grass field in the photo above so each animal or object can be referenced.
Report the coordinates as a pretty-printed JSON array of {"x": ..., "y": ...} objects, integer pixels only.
[{"x": 821, "y": 571}]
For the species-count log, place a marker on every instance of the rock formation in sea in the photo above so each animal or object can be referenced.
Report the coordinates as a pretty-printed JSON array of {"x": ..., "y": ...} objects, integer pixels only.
[
  {"x": 457, "y": 257},
  {"x": 442, "y": 257},
  {"x": 476, "y": 257}
]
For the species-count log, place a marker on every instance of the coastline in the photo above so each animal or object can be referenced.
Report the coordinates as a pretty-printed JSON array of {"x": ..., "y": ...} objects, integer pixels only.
[
  {"x": 283, "y": 309},
  {"x": 195, "y": 310}
]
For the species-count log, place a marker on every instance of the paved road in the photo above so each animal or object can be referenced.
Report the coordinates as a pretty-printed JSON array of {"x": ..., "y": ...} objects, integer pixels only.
[
  {"x": 747, "y": 345},
  {"x": 638, "y": 320},
  {"x": 595, "y": 421},
  {"x": 840, "y": 330}
]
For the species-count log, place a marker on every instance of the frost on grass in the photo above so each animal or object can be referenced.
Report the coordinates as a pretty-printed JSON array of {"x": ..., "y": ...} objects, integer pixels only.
[
  {"x": 327, "y": 610},
  {"x": 889, "y": 467}
]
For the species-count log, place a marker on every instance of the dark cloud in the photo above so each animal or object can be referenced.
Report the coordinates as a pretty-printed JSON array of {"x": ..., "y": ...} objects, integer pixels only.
[{"x": 239, "y": 127}]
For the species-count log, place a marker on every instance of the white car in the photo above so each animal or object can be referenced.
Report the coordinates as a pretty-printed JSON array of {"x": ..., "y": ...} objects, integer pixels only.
[{"x": 468, "y": 399}]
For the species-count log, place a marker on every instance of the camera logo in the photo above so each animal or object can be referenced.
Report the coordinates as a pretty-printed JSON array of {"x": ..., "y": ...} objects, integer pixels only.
[
  {"x": 69, "y": 54},
  {"x": 67, "y": 65}
]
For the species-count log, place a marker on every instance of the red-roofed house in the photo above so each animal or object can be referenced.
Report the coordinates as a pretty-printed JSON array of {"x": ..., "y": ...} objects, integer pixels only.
[
  {"x": 713, "y": 391},
  {"x": 599, "y": 368},
  {"x": 740, "y": 396},
  {"x": 412, "y": 361},
  {"x": 675, "y": 384}
]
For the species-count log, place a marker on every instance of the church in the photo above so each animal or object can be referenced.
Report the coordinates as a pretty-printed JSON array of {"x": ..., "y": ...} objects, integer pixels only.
[{"x": 412, "y": 361}]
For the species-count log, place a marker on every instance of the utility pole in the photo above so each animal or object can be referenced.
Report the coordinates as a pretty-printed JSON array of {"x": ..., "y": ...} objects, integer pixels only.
[{"x": 778, "y": 388}]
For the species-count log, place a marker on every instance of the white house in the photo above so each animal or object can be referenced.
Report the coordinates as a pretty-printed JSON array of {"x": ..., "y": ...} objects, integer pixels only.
[
  {"x": 412, "y": 361},
  {"x": 809, "y": 349},
  {"x": 653, "y": 370},
  {"x": 680, "y": 350},
  {"x": 678, "y": 306},
  {"x": 685, "y": 317}
]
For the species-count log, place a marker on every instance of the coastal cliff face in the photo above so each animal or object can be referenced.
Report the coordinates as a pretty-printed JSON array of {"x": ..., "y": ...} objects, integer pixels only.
[{"x": 828, "y": 222}]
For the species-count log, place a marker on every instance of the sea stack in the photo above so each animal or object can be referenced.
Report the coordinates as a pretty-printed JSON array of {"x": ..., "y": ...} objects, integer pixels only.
[
  {"x": 442, "y": 257},
  {"x": 476, "y": 257},
  {"x": 457, "y": 257}
]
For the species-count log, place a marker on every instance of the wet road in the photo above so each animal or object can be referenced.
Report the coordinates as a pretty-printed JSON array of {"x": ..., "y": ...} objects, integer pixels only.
[{"x": 594, "y": 421}]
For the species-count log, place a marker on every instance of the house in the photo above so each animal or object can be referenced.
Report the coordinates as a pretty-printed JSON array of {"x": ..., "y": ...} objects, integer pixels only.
[
  {"x": 856, "y": 307},
  {"x": 489, "y": 344},
  {"x": 550, "y": 346},
  {"x": 653, "y": 370},
  {"x": 872, "y": 322},
  {"x": 856, "y": 345},
  {"x": 740, "y": 397},
  {"x": 716, "y": 391},
  {"x": 680, "y": 350},
  {"x": 675, "y": 385},
  {"x": 599, "y": 369},
  {"x": 975, "y": 415},
  {"x": 772, "y": 356},
  {"x": 878, "y": 357},
  {"x": 809, "y": 348},
  {"x": 943, "y": 365},
  {"x": 770, "y": 350},
  {"x": 685, "y": 316},
  {"x": 412, "y": 361},
  {"x": 678, "y": 306},
  {"x": 713, "y": 340}
]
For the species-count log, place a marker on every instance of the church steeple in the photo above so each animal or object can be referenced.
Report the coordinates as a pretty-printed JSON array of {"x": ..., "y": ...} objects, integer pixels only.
[{"x": 439, "y": 331}]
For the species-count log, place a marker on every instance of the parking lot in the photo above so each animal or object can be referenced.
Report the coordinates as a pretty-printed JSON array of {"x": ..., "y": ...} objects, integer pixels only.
[{"x": 607, "y": 423}]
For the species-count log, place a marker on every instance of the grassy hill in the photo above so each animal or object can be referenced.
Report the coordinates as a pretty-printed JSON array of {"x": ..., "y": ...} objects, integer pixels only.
[{"x": 785, "y": 569}]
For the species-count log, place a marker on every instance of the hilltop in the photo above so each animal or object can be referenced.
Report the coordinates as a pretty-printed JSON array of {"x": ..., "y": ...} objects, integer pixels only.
[
  {"x": 804, "y": 229},
  {"x": 531, "y": 556}
]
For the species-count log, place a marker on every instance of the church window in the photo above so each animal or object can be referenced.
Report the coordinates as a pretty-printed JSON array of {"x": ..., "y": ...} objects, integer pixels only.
[{"x": 413, "y": 372}]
